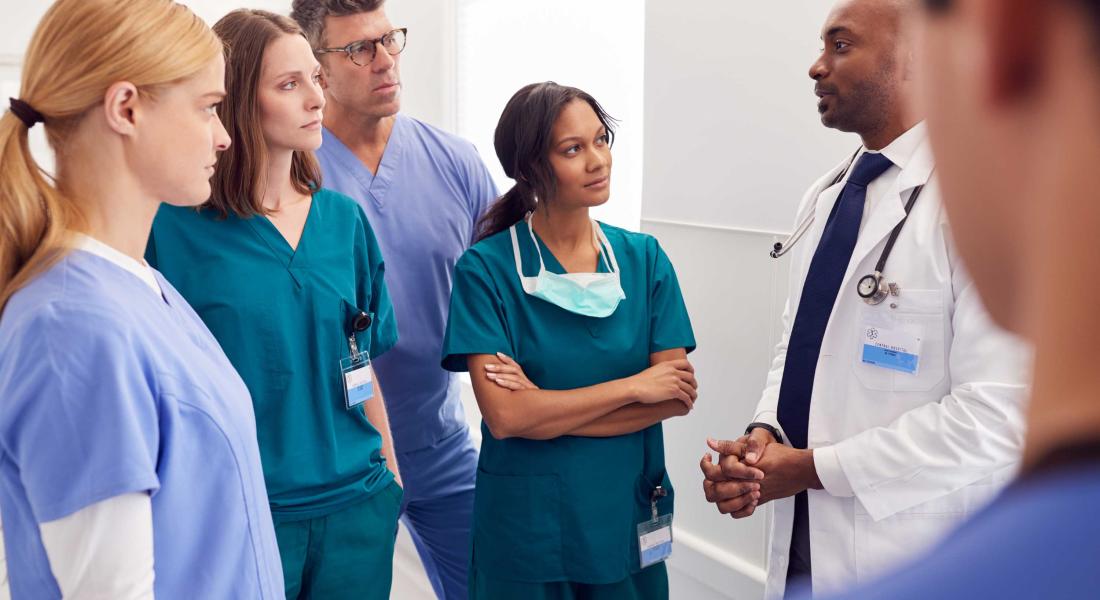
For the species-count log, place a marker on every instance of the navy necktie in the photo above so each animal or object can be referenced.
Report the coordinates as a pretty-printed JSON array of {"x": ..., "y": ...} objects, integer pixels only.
[{"x": 819, "y": 294}]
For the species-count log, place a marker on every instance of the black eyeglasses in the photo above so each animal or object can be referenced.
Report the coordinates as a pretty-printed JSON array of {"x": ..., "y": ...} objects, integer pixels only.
[{"x": 362, "y": 52}]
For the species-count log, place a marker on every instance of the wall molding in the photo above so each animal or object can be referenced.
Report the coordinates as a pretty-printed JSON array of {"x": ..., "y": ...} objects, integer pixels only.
[
  {"x": 706, "y": 564},
  {"x": 10, "y": 60},
  {"x": 713, "y": 227}
]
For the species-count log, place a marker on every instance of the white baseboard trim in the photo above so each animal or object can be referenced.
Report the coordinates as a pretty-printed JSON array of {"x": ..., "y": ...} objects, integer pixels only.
[{"x": 698, "y": 566}]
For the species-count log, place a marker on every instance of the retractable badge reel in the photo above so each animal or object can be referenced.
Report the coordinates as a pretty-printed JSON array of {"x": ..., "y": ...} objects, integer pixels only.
[
  {"x": 655, "y": 535},
  {"x": 357, "y": 375}
]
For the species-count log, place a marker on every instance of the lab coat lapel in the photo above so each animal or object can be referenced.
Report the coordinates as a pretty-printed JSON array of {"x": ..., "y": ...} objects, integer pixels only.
[
  {"x": 890, "y": 211},
  {"x": 826, "y": 197}
]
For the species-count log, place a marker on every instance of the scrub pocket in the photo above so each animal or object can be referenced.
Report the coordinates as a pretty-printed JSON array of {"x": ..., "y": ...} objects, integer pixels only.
[
  {"x": 517, "y": 527},
  {"x": 396, "y": 494}
]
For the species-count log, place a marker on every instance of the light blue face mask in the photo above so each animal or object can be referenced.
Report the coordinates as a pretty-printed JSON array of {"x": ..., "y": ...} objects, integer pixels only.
[{"x": 589, "y": 294}]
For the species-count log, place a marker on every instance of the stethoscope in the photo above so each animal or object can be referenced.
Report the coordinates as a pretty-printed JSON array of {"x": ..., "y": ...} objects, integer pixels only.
[{"x": 872, "y": 288}]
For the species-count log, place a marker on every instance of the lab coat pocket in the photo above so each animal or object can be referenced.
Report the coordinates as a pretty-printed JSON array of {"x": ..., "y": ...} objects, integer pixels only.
[
  {"x": 517, "y": 527},
  {"x": 882, "y": 545},
  {"x": 917, "y": 313},
  {"x": 879, "y": 545}
]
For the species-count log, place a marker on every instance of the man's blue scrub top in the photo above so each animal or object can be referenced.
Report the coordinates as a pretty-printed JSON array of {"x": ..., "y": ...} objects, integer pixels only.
[{"x": 423, "y": 204}]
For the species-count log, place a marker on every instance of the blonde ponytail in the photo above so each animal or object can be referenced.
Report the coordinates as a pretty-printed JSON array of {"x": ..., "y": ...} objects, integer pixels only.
[
  {"x": 81, "y": 48},
  {"x": 33, "y": 216}
]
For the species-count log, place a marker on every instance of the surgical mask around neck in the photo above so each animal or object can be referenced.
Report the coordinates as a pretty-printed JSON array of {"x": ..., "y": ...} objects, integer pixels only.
[{"x": 588, "y": 294}]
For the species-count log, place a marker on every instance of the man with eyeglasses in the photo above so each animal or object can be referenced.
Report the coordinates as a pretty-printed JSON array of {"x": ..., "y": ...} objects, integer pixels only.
[{"x": 423, "y": 191}]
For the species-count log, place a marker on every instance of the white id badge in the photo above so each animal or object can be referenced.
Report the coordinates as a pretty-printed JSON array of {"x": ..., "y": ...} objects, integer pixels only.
[
  {"x": 358, "y": 379},
  {"x": 655, "y": 535},
  {"x": 655, "y": 540},
  {"x": 892, "y": 349}
]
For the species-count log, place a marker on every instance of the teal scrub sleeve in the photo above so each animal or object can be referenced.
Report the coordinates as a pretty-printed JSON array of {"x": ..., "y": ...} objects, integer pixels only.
[
  {"x": 669, "y": 324},
  {"x": 476, "y": 323},
  {"x": 371, "y": 286},
  {"x": 151, "y": 251},
  {"x": 83, "y": 423}
]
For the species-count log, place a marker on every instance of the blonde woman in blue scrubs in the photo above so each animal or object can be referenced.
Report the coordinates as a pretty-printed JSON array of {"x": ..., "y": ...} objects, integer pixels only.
[
  {"x": 289, "y": 278},
  {"x": 572, "y": 498},
  {"x": 128, "y": 459}
]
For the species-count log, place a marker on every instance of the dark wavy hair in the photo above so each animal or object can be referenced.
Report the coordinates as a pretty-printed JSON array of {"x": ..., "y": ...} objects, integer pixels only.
[{"x": 522, "y": 142}]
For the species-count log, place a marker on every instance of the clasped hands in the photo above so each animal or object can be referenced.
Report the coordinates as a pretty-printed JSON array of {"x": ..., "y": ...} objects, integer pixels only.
[{"x": 753, "y": 470}]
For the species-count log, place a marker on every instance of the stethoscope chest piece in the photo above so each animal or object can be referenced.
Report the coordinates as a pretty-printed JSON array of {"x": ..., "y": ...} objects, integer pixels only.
[{"x": 872, "y": 289}]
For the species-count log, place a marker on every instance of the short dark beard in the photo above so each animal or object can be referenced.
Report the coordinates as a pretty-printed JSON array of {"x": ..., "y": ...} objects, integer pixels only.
[{"x": 866, "y": 109}]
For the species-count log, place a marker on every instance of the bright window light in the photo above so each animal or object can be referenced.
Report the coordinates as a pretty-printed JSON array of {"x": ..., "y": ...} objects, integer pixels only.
[{"x": 598, "y": 47}]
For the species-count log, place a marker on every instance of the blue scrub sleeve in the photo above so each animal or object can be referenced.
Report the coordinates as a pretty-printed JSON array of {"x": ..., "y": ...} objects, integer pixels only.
[
  {"x": 481, "y": 189},
  {"x": 372, "y": 291},
  {"x": 476, "y": 323},
  {"x": 669, "y": 324},
  {"x": 83, "y": 425}
]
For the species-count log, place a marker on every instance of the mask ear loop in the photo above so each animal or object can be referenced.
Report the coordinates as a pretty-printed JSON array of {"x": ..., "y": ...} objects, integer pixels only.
[
  {"x": 604, "y": 247},
  {"x": 531, "y": 230}
]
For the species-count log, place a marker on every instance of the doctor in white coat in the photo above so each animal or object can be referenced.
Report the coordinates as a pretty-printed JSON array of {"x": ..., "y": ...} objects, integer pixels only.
[{"x": 884, "y": 421}]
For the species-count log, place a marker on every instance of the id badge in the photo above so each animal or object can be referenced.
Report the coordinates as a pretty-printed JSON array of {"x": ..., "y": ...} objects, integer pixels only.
[
  {"x": 655, "y": 535},
  {"x": 358, "y": 379},
  {"x": 892, "y": 349}
]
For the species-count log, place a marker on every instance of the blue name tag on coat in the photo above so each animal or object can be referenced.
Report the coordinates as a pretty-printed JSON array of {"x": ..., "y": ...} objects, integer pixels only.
[{"x": 891, "y": 349}]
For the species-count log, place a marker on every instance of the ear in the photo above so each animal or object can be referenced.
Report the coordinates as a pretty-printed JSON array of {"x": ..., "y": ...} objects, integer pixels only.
[
  {"x": 119, "y": 104},
  {"x": 1016, "y": 31},
  {"x": 323, "y": 73}
]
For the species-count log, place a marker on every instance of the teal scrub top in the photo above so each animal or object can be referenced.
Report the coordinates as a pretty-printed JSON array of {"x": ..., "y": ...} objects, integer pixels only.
[
  {"x": 565, "y": 509},
  {"x": 282, "y": 316}
]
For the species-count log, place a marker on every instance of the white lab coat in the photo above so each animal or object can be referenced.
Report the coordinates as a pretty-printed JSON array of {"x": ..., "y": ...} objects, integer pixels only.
[{"x": 903, "y": 457}]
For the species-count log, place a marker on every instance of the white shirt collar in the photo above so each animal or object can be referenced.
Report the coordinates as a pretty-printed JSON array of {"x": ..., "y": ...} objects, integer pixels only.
[
  {"x": 141, "y": 269},
  {"x": 902, "y": 150}
]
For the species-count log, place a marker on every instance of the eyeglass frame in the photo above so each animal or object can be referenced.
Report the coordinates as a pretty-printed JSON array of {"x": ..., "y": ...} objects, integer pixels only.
[{"x": 373, "y": 46}]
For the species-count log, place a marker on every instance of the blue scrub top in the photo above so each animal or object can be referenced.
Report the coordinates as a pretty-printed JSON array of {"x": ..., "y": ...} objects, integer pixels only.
[
  {"x": 1039, "y": 539},
  {"x": 424, "y": 203},
  {"x": 565, "y": 509},
  {"x": 108, "y": 389}
]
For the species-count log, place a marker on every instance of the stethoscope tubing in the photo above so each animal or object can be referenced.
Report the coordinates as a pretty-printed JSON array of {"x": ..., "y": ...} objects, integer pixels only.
[{"x": 782, "y": 248}]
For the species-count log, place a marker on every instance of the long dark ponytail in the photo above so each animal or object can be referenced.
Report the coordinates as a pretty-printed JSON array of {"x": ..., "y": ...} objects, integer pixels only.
[{"x": 522, "y": 142}]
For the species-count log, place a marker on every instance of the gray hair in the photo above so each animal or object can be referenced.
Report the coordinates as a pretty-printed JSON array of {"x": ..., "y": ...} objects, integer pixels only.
[{"x": 310, "y": 15}]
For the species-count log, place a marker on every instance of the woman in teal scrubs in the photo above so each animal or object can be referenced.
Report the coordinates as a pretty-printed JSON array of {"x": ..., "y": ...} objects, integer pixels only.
[
  {"x": 572, "y": 462},
  {"x": 289, "y": 278}
]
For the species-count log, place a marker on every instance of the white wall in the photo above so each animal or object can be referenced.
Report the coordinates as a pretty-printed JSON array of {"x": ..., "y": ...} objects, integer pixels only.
[
  {"x": 502, "y": 45},
  {"x": 732, "y": 141}
]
